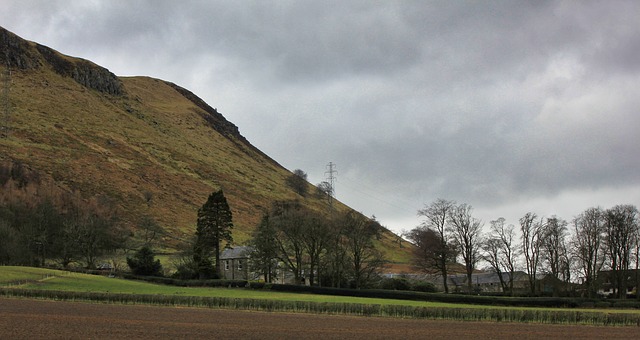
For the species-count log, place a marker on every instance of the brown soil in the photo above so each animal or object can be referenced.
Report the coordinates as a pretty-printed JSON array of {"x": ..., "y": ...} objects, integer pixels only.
[{"x": 39, "y": 319}]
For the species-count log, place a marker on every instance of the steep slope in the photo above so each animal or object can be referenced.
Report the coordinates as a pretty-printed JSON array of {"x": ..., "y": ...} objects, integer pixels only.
[{"x": 132, "y": 138}]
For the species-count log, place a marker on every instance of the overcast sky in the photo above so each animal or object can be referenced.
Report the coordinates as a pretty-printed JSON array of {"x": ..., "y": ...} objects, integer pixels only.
[{"x": 507, "y": 106}]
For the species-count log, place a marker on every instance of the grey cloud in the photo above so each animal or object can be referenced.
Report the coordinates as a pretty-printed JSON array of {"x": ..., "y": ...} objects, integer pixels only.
[{"x": 487, "y": 102}]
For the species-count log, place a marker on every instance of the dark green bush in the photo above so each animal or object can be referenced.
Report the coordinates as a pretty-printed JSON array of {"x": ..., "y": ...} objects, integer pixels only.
[
  {"x": 426, "y": 287},
  {"x": 602, "y": 304},
  {"x": 395, "y": 283},
  {"x": 635, "y": 304},
  {"x": 144, "y": 263},
  {"x": 172, "y": 281},
  {"x": 257, "y": 285},
  {"x": 185, "y": 272}
]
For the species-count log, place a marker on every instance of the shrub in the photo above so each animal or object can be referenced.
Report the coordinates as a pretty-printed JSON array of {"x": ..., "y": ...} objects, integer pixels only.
[
  {"x": 185, "y": 271},
  {"x": 626, "y": 304},
  {"x": 257, "y": 285},
  {"x": 602, "y": 304},
  {"x": 189, "y": 283},
  {"x": 144, "y": 263},
  {"x": 422, "y": 286},
  {"x": 402, "y": 283},
  {"x": 395, "y": 284}
]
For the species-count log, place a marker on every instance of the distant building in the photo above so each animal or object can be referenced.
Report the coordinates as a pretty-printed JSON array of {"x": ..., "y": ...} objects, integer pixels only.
[
  {"x": 608, "y": 282},
  {"x": 489, "y": 282},
  {"x": 235, "y": 263}
]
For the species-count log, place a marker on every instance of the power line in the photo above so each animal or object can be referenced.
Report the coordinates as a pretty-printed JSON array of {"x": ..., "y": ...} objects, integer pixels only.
[
  {"x": 375, "y": 191},
  {"x": 376, "y": 195}
]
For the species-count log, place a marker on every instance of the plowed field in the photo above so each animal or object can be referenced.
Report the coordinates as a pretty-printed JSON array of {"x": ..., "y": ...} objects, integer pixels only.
[{"x": 39, "y": 319}]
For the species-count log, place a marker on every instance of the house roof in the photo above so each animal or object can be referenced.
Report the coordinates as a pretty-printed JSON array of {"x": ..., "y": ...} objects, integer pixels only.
[{"x": 240, "y": 252}]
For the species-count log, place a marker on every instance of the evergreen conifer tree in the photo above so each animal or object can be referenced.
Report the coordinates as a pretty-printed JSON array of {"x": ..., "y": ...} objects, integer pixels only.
[{"x": 214, "y": 226}]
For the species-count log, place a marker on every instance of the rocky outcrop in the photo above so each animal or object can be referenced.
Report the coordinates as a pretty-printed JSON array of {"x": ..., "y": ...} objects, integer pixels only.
[
  {"x": 217, "y": 122},
  {"x": 18, "y": 53},
  {"x": 212, "y": 116},
  {"x": 82, "y": 71}
]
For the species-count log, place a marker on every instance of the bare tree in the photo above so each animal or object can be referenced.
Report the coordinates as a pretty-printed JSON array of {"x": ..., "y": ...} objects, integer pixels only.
[
  {"x": 500, "y": 252},
  {"x": 636, "y": 254},
  {"x": 436, "y": 217},
  {"x": 288, "y": 217},
  {"x": 315, "y": 239},
  {"x": 621, "y": 224},
  {"x": 429, "y": 249},
  {"x": 492, "y": 253},
  {"x": 467, "y": 232},
  {"x": 587, "y": 245},
  {"x": 335, "y": 261},
  {"x": 364, "y": 259},
  {"x": 149, "y": 229},
  {"x": 530, "y": 228},
  {"x": 554, "y": 249},
  {"x": 324, "y": 189}
]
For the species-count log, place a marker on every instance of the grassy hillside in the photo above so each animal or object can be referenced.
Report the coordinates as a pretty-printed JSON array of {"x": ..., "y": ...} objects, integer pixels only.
[{"x": 130, "y": 138}]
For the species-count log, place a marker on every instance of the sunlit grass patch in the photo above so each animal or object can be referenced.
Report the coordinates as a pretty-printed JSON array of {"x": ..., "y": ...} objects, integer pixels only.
[{"x": 12, "y": 275}]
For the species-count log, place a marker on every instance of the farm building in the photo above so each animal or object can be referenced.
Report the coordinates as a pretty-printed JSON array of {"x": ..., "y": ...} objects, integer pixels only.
[
  {"x": 235, "y": 263},
  {"x": 489, "y": 282}
]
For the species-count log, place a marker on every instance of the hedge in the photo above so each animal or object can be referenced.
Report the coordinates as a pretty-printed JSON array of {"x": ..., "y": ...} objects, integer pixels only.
[
  {"x": 467, "y": 314},
  {"x": 547, "y": 302}
]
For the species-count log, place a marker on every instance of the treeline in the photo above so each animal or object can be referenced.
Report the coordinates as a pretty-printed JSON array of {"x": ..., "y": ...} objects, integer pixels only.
[
  {"x": 292, "y": 243},
  {"x": 40, "y": 222},
  {"x": 597, "y": 247},
  {"x": 329, "y": 249}
]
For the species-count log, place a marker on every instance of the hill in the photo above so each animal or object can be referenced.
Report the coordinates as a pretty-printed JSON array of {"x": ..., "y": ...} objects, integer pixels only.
[{"x": 149, "y": 145}]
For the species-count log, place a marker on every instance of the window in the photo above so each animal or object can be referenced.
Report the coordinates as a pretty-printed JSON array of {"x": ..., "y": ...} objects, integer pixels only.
[
  {"x": 226, "y": 264},
  {"x": 239, "y": 264}
]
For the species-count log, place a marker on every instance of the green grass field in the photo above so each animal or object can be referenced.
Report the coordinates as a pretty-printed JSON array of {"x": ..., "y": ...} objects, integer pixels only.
[
  {"x": 64, "y": 285},
  {"x": 48, "y": 279},
  {"x": 14, "y": 275}
]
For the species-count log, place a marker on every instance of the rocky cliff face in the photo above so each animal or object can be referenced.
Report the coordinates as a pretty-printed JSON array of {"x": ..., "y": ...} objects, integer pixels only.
[
  {"x": 219, "y": 123},
  {"x": 82, "y": 71},
  {"x": 213, "y": 117},
  {"x": 19, "y": 53}
]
